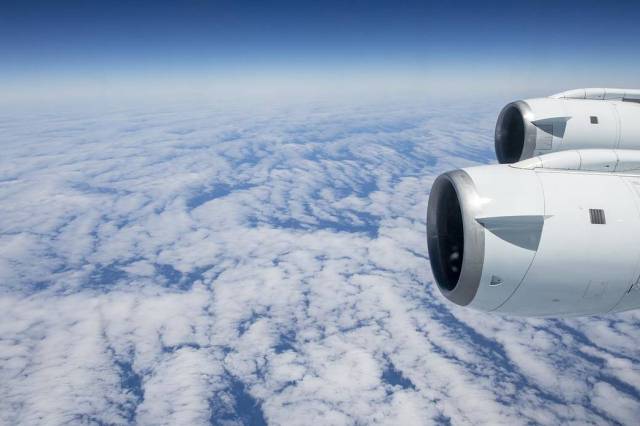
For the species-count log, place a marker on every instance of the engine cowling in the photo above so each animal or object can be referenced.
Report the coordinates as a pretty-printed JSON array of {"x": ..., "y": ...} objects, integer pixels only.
[
  {"x": 531, "y": 240},
  {"x": 577, "y": 119}
]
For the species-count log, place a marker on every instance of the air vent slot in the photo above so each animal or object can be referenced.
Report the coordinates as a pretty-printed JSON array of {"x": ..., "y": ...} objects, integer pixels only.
[{"x": 597, "y": 216}]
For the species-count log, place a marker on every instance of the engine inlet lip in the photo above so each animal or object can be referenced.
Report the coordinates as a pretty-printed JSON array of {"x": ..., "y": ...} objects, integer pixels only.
[
  {"x": 528, "y": 140},
  {"x": 465, "y": 289}
]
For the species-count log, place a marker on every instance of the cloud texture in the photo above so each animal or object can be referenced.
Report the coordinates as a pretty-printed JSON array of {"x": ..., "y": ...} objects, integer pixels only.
[{"x": 266, "y": 264}]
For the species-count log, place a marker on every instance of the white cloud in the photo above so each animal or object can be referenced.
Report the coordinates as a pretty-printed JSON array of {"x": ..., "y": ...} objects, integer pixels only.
[{"x": 177, "y": 265}]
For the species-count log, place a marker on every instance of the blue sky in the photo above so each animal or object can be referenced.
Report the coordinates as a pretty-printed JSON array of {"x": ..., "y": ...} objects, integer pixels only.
[{"x": 88, "y": 44}]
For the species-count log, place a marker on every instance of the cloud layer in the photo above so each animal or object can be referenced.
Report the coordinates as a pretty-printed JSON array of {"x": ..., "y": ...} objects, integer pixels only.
[{"x": 257, "y": 264}]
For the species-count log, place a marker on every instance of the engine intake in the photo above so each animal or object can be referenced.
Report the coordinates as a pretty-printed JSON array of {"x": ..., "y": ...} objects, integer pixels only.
[
  {"x": 455, "y": 239},
  {"x": 515, "y": 135}
]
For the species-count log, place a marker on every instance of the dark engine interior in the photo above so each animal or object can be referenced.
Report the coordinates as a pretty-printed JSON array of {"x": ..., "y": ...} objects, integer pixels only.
[
  {"x": 510, "y": 133},
  {"x": 445, "y": 234}
]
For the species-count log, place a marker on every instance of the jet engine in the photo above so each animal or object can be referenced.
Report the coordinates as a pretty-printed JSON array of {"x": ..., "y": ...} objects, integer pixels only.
[
  {"x": 577, "y": 119},
  {"x": 555, "y": 232}
]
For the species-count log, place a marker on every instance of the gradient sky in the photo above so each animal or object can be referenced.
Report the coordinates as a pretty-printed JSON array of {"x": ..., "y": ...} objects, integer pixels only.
[{"x": 88, "y": 43}]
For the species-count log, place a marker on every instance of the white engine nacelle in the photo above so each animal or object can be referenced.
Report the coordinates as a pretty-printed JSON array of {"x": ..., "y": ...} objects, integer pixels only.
[
  {"x": 555, "y": 235},
  {"x": 577, "y": 119}
]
